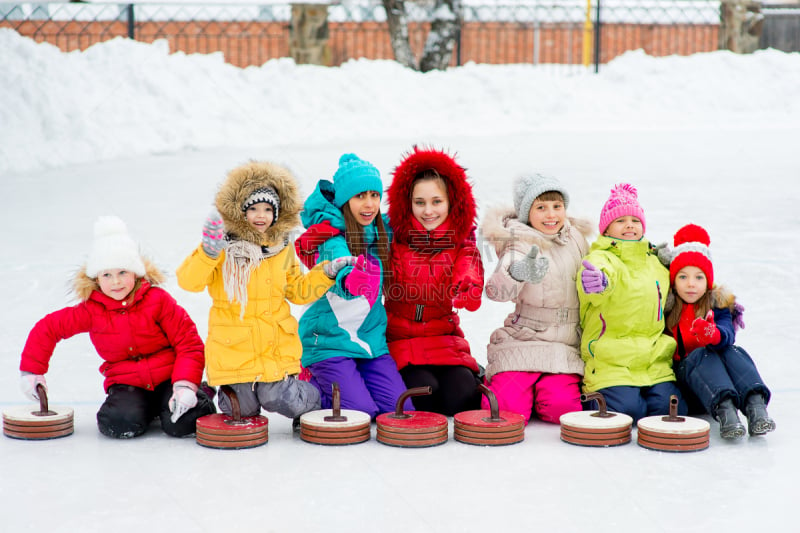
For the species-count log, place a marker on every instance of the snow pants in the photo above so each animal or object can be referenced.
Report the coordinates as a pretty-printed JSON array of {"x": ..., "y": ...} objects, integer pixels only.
[
  {"x": 128, "y": 411},
  {"x": 548, "y": 396},
  {"x": 454, "y": 388},
  {"x": 289, "y": 397},
  {"x": 639, "y": 402},
  {"x": 712, "y": 376},
  {"x": 372, "y": 386}
]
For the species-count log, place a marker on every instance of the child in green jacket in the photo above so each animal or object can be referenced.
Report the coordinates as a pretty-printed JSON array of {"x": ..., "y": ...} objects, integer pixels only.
[{"x": 622, "y": 289}]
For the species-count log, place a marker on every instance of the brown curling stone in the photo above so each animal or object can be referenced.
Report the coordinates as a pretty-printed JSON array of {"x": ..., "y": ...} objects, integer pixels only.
[
  {"x": 490, "y": 427},
  {"x": 673, "y": 433},
  {"x": 415, "y": 429},
  {"x": 601, "y": 428},
  {"x": 335, "y": 426},
  {"x": 232, "y": 432},
  {"x": 49, "y": 422}
]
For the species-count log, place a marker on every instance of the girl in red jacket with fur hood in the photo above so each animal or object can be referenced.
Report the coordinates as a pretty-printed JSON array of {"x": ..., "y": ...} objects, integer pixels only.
[
  {"x": 152, "y": 355},
  {"x": 435, "y": 266}
]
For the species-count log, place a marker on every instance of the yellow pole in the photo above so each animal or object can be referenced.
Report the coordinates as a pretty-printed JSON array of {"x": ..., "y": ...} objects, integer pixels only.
[{"x": 587, "y": 34}]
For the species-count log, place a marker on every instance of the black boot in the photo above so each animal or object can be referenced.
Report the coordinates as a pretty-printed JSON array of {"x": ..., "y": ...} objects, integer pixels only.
[
  {"x": 758, "y": 421},
  {"x": 729, "y": 425}
]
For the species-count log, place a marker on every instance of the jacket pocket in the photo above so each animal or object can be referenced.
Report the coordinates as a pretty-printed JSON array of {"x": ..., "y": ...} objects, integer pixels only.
[{"x": 231, "y": 347}]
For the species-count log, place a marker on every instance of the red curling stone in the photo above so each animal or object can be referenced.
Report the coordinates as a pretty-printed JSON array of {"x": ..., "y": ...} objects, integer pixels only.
[
  {"x": 489, "y": 427},
  {"x": 49, "y": 422},
  {"x": 415, "y": 429},
  {"x": 232, "y": 432}
]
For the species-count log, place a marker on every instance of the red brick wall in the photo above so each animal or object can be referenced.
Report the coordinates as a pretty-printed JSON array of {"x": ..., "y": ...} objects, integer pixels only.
[{"x": 253, "y": 43}]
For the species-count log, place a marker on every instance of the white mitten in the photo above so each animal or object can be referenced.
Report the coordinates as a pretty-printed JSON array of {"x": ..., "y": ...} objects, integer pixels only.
[
  {"x": 184, "y": 397},
  {"x": 28, "y": 382}
]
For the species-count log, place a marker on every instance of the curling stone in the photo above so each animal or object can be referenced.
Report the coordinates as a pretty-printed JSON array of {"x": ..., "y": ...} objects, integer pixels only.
[
  {"x": 673, "y": 433},
  {"x": 600, "y": 428},
  {"x": 335, "y": 426},
  {"x": 417, "y": 429},
  {"x": 490, "y": 427},
  {"x": 232, "y": 432},
  {"x": 49, "y": 422}
]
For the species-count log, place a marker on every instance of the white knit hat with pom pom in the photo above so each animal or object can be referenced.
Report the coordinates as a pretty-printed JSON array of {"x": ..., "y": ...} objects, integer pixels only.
[{"x": 113, "y": 248}]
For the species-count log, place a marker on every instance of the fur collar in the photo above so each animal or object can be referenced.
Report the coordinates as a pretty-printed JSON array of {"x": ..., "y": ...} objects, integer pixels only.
[
  {"x": 501, "y": 226},
  {"x": 240, "y": 183},
  {"x": 463, "y": 210},
  {"x": 83, "y": 285}
]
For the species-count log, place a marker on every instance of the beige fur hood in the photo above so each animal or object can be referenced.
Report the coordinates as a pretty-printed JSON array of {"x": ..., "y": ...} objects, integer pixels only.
[
  {"x": 501, "y": 227},
  {"x": 240, "y": 183}
]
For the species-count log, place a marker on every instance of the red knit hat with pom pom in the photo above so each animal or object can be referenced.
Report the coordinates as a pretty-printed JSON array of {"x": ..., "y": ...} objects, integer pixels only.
[{"x": 691, "y": 244}]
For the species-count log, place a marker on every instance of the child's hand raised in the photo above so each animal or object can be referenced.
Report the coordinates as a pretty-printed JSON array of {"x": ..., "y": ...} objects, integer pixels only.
[
  {"x": 592, "y": 279},
  {"x": 213, "y": 233},
  {"x": 530, "y": 269},
  {"x": 706, "y": 330}
]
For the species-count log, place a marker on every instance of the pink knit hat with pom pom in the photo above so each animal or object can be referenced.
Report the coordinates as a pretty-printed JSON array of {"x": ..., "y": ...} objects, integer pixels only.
[{"x": 624, "y": 200}]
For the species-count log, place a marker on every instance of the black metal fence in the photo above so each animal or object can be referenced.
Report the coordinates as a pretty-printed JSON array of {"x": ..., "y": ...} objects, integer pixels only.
[{"x": 554, "y": 32}]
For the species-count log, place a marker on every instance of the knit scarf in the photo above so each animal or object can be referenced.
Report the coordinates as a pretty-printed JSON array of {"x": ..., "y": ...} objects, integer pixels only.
[{"x": 241, "y": 259}]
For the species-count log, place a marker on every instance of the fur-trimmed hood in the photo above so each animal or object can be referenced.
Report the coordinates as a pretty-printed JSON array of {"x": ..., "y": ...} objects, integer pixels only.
[
  {"x": 83, "y": 285},
  {"x": 463, "y": 211},
  {"x": 240, "y": 183},
  {"x": 501, "y": 226}
]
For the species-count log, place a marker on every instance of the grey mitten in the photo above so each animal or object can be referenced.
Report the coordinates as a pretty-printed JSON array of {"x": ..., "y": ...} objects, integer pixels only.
[
  {"x": 332, "y": 268},
  {"x": 531, "y": 269},
  {"x": 664, "y": 253},
  {"x": 213, "y": 235}
]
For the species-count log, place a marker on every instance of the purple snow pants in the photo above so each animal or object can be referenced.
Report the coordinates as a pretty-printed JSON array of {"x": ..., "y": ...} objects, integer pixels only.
[{"x": 368, "y": 385}]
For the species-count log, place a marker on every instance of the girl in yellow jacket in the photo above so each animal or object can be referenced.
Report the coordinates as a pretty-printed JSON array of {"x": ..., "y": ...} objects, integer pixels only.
[{"x": 250, "y": 268}]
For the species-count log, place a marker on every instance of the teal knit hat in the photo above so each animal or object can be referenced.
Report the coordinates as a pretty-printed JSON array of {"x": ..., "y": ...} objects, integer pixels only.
[{"x": 353, "y": 177}]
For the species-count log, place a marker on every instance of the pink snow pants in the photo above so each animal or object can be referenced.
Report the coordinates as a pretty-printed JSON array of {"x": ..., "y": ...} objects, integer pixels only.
[{"x": 548, "y": 396}]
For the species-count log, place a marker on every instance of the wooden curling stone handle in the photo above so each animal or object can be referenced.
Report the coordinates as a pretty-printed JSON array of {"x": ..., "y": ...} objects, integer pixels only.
[
  {"x": 416, "y": 391},
  {"x": 494, "y": 410},
  {"x": 336, "y": 416},
  {"x": 236, "y": 410},
  {"x": 43, "y": 406},
  {"x": 601, "y": 403},
  {"x": 673, "y": 411}
]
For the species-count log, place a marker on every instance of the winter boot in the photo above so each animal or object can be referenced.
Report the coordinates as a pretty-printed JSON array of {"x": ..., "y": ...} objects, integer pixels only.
[
  {"x": 729, "y": 425},
  {"x": 758, "y": 421}
]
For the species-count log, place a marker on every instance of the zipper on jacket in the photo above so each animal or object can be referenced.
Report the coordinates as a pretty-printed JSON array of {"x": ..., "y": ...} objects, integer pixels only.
[
  {"x": 658, "y": 288},
  {"x": 602, "y": 332}
]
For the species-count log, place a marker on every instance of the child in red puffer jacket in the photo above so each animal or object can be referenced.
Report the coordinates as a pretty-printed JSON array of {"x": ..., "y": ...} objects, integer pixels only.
[
  {"x": 152, "y": 355},
  {"x": 435, "y": 267}
]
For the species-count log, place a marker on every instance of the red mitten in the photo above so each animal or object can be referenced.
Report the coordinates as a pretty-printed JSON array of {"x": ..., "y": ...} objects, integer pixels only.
[
  {"x": 467, "y": 295},
  {"x": 705, "y": 330}
]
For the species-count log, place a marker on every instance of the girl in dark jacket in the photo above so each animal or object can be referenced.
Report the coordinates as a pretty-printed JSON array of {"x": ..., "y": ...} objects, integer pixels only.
[
  {"x": 435, "y": 267},
  {"x": 152, "y": 355},
  {"x": 703, "y": 318}
]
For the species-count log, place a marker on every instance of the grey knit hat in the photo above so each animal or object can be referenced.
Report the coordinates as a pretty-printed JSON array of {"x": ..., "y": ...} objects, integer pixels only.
[{"x": 528, "y": 188}]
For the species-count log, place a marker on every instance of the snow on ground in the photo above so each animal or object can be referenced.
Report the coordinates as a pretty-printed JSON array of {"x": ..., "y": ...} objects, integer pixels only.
[{"x": 127, "y": 129}]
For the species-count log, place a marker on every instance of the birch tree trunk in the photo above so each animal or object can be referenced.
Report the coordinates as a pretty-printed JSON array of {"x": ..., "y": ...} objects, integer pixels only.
[
  {"x": 442, "y": 38},
  {"x": 441, "y": 41},
  {"x": 397, "y": 20}
]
